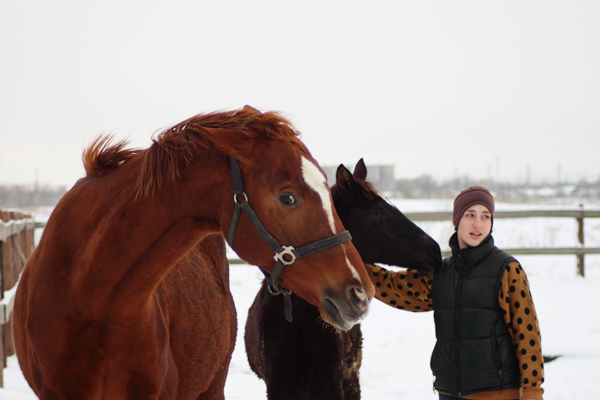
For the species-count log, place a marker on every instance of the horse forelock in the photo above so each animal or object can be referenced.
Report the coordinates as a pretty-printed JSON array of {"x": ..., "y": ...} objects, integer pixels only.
[
  {"x": 104, "y": 155},
  {"x": 177, "y": 147}
]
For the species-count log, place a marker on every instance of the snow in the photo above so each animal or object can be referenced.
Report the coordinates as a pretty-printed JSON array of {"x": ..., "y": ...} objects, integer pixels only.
[{"x": 398, "y": 344}]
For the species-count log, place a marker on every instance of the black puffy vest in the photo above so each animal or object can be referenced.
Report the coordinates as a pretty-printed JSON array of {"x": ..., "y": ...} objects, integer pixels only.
[{"x": 474, "y": 351}]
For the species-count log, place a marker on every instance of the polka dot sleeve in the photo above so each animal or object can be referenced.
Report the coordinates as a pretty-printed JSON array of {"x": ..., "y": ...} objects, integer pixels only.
[
  {"x": 405, "y": 289},
  {"x": 520, "y": 318}
]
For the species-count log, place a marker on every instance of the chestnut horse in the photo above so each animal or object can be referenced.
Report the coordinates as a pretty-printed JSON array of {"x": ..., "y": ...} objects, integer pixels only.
[
  {"x": 127, "y": 294},
  {"x": 305, "y": 359}
]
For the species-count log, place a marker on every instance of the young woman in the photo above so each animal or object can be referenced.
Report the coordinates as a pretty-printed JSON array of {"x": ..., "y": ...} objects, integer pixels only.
[{"x": 488, "y": 339}]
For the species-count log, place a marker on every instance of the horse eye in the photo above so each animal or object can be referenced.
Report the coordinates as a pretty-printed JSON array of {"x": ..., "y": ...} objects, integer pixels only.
[
  {"x": 380, "y": 215},
  {"x": 288, "y": 199}
]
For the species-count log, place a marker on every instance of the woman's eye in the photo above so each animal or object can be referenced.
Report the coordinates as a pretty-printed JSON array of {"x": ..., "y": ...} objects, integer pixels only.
[{"x": 288, "y": 199}]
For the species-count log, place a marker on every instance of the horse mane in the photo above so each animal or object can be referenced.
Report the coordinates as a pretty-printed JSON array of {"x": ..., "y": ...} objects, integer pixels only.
[
  {"x": 104, "y": 155},
  {"x": 366, "y": 188},
  {"x": 177, "y": 147}
]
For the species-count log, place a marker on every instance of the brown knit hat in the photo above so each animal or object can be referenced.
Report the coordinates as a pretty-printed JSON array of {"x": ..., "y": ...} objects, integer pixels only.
[{"x": 469, "y": 197}]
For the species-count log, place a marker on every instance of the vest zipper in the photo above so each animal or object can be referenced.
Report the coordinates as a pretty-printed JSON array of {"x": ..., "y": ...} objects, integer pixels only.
[
  {"x": 457, "y": 321},
  {"x": 500, "y": 362}
]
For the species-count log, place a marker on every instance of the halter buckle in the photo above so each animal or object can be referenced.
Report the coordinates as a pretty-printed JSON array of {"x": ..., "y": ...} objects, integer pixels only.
[
  {"x": 276, "y": 289},
  {"x": 235, "y": 198},
  {"x": 286, "y": 251}
]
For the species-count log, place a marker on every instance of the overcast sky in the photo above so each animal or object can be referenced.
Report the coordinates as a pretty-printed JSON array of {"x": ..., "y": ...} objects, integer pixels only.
[{"x": 445, "y": 88}]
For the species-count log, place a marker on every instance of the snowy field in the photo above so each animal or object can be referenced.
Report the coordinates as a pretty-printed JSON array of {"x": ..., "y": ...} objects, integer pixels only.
[{"x": 398, "y": 344}]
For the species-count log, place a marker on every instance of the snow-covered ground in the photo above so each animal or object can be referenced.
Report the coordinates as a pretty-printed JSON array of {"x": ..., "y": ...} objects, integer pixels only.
[{"x": 397, "y": 344}]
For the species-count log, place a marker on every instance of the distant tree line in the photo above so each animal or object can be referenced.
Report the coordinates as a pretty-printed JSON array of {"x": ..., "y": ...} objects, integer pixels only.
[
  {"x": 423, "y": 187},
  {"x": 16, "y": 196}
]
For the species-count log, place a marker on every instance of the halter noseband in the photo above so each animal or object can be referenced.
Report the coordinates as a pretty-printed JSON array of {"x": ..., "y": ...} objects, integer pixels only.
[{"x": 284, "y": 255}]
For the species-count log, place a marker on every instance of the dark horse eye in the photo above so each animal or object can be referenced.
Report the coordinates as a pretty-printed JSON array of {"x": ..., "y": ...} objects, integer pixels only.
[
  {"x": 288, "y": 199},
  {"x": 380, "y": 215}
]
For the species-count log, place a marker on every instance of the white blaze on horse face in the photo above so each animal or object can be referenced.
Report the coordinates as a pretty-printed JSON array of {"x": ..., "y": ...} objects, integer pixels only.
[
  {"x": 352, "y": 269},
  {"x": 317, "y": 182}
]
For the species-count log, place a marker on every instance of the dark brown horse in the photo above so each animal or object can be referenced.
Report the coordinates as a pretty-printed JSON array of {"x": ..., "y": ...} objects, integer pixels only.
[
  {"x": 306, "y": 359},
  {"x": 127, "y": 295}
]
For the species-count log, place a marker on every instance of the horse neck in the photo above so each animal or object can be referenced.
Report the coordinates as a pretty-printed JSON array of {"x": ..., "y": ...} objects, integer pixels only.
[{"x": 132, "y": 245}]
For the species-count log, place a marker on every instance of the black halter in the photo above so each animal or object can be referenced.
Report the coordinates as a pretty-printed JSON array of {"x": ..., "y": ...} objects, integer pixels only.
[{"x": 284, "y": 255}]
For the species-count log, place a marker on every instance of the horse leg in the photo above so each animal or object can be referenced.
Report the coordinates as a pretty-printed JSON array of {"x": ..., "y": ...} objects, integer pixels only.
[
  {"x": 216, "y": 390},
  {"x": 352, "y": 360}
]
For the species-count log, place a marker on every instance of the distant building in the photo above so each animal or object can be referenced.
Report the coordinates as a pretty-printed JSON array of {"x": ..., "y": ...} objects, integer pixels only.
[
  {"x": 380, "y": 176},
  {"x": 330, "y": 172}
]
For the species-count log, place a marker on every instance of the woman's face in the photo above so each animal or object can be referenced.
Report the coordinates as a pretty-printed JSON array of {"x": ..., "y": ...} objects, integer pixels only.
[{"x": 474, "y": 226}]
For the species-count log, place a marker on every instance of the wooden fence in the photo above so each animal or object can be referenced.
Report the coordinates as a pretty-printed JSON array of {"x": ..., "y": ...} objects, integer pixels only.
[
  {"x": 579, "y": 215},
  {"x": 16, "y": 245}
]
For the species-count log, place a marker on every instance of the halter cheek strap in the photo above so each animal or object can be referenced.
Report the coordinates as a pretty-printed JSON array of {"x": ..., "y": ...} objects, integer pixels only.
[{"x": 284, "y": 255}]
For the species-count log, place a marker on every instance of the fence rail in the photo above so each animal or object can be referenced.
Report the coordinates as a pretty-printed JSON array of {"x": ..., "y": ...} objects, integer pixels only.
[
  {"x": 537, "y": 251},
  {"x": 14, "y": 227},
  {"x": 579, "y": 215},
  {"x": 447, "y": 215}
]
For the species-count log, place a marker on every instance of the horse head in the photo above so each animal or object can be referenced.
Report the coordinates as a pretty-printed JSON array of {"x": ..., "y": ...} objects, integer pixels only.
[
  {"x": 288, "y": 192},
  {"x": 391, "y": 238}
]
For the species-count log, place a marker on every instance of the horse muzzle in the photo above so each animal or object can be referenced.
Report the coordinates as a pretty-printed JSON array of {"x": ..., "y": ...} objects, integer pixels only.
[{"x": 345, "y": 311}]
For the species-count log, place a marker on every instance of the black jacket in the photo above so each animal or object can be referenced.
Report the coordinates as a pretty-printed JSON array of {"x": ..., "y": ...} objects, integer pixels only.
[{"x": 474, "y": 351}]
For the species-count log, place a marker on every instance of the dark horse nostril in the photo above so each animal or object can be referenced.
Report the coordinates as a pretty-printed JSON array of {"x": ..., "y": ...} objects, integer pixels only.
[{"x": 359, "y": 298}]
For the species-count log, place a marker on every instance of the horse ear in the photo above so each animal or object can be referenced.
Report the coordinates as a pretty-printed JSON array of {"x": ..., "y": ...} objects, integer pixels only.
[
  {"x": 251, "y": 109},
  {"x": 343, "y": 178},
  {"x": 252, "y": 113},
  {"x": 231, "y": 142},
  {"x": 360, "y": 171}
]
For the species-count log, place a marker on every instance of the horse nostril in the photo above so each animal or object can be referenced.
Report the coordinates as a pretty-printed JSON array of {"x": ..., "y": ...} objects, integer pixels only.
[
  {"x": 359, "y": 298},
  {"x": 360, "y": 294}
]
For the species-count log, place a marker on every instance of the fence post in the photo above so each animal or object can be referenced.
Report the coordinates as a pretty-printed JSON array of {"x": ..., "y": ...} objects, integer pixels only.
[
  {"x": 4, "y": 263},
  {"x": 1, "y": 326},
  {"x": 580, "y": 257}
]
